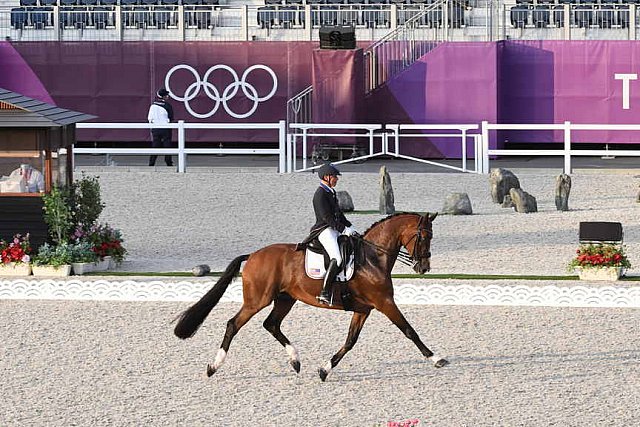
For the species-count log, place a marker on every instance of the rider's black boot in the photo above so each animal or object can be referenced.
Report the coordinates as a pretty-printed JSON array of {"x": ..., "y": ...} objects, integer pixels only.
[{"x": 332, "y": 271}]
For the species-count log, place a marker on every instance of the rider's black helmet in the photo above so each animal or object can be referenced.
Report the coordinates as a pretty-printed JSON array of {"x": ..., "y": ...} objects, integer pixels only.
[{"x": 328, "y": 169}]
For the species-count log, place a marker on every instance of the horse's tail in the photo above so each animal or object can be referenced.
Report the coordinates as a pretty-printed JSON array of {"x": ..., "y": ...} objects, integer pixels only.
[{"x": 193, "y": 317}]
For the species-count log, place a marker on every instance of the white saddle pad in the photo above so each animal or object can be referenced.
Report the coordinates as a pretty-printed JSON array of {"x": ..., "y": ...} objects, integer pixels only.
[{"x": 314, "y": 266}]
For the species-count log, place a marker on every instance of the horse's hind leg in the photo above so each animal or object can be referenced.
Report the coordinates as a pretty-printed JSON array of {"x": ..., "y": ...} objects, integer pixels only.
[
  {"x": 357, "y": 322},
  {"x": 233, "y": 326},
  {"x": 281, "y": 308},
  {"x": 391, "y": 310}
]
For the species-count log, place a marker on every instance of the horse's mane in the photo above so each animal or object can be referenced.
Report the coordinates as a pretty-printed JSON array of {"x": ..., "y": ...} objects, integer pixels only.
[{"x": 388, "y": 217}]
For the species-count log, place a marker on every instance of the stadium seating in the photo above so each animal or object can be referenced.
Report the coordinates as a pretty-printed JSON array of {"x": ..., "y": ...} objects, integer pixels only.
[{"x": 519, "y": 15}]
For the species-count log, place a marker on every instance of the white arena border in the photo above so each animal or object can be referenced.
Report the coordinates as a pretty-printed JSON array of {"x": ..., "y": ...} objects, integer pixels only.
[{"x": 405, "y": 293}]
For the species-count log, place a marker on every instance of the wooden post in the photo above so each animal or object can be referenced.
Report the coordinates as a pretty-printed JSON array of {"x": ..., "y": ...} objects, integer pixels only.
[{"x": 48, "y": 172}]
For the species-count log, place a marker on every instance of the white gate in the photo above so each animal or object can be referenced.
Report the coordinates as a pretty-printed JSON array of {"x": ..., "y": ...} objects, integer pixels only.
[{"x": 377, "y": 139}]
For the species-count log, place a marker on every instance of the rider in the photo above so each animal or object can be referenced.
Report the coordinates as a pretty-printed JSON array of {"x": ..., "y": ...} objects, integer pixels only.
[{"x": 330, "y": 222}]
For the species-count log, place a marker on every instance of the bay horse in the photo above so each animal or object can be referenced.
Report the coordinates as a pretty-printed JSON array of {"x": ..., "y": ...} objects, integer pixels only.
[{"x": 276, "y": 273}]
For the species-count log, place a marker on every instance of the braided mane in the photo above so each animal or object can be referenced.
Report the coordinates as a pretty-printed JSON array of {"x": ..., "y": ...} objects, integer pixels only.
[{"x": 389, "y": 217}]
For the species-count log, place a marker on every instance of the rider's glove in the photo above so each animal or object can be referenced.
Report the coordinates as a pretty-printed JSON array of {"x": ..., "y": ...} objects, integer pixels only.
[{"x": 349, "y": 231}]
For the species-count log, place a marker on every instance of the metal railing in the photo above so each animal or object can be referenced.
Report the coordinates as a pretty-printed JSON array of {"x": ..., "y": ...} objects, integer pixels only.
[
  {"x": 566, "y": 151},
  {"x": 403, "y": 46},
  {"x": 201, "y": 22},
  {"x": 436, "y": 131},
  {"x": 181, "y": 151}
]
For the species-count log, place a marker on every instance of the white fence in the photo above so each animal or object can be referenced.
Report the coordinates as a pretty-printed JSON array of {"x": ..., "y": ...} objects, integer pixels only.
[
  {"x": 373, "y": 132},
  {"x": 565, "y": 152},
  {"x": 182, "y": 151},
  {"x": 389, "y": 138}
]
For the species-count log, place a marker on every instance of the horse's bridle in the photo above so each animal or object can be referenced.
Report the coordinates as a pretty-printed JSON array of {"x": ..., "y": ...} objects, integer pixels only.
[
  {"x": 412, "y": 259},
  {"x": 407, "y": 258}
]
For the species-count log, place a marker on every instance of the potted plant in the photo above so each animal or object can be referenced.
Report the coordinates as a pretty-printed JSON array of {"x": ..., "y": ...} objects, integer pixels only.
[
  {"x": 15, "y": 256},
  {"x": 83, "y": 258},
  {"x": 53, "y": 261},
  {"x": 106, "y": 242},
  {"x": 602, "y": 261},
  {"x": 57, "y": 214}
]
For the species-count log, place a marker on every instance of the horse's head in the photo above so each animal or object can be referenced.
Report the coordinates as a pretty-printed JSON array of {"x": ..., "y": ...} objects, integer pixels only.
[{"x": 418, "y": 243}]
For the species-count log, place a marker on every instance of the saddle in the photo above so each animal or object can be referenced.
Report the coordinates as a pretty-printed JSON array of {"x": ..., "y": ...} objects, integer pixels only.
[{"x": 316, "y": 259}]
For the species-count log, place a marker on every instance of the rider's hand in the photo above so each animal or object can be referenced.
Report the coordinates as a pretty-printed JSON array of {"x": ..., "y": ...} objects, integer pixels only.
[{"x": 349, "y": 231}]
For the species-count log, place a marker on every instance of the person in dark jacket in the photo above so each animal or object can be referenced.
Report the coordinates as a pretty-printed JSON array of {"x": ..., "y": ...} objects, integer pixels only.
[
  {"x": 161, "y": 112},
  {"x": 330, "y": 223}
]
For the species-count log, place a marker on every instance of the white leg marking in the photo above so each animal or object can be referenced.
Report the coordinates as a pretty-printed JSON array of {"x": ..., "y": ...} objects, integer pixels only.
[
  {"x": 292, "y": 352},
  {"x": 219, "y": 359},
  {"x": 327, "y": 367},
  {"x": 435, "y": 358}
]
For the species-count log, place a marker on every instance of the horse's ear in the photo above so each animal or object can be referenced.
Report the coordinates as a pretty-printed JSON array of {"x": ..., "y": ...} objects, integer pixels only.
[{"x": 432, "y": 216}]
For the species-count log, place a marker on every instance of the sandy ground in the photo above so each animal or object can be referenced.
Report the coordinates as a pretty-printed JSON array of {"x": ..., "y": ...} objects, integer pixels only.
[
  {"x": 118, "y": 364},
  {"x": 67, "y": 363},
  {"x": 172, "y": 222}
]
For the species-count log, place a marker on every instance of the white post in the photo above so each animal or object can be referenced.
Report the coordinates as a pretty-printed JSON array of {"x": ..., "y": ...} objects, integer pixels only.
[
  {"x": 477, "y": 150},
  {"x": 632, "y": 22},
  {"x": 567, "y": 147},
  {"x": 282, "y": 139},
  {"x": 485, "y": 148},
  {"x": 304, "y": 148},
  {"x": 393, "y": 16},
  {"x": 371, "y": 141},
  {"x": 396, "y": 141},
  {"x": 289, "y": 142},
  {"x": 181, "y": 25},
  {"x": 118, "y": 22},
  {"x": 181, "y": 155},
  {"x": 56, "y": 22},
  {"x": 308, "y": 25},
  {"x": 244, "y": 22},
  {"x": 464, "y": 150},
  {"x": 567, "y": 21}
]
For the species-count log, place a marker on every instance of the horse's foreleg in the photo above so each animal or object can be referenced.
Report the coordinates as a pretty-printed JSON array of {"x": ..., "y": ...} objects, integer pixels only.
[
  {"x": 233, "y": 326},
  {"x": 281, "y": 307},
  {"x": 357, "y": 321},
  {"x": 391, "y": 310}
]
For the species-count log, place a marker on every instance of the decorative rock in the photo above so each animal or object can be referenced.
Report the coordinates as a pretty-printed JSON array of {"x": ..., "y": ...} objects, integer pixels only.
[
  {"x": 523, "y": 201},
  {"x": 386, "y": 193},
  {"x": 457, "y": 204},
  {"x": 344, "y": 201},
  {"x": 507, "y": 202},
  {"x": 201, "y": 270},
  {"x": 502, "y": 180},
  {"x": 563, "y": 188}
]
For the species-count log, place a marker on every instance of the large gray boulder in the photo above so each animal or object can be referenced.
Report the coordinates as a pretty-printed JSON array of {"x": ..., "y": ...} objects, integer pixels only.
[
  {"x": 523, "y": 202},
  {"x": 502, "y": 180},
  {"x": 386, "y": 193},
  {"x": 457, "y": 204},
  {"x": 344, "y": 201},
  {"x": 563, "y": 188}
]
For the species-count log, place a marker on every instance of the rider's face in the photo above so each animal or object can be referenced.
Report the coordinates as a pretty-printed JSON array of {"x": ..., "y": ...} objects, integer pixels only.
[{"x": 333, "y": 180}]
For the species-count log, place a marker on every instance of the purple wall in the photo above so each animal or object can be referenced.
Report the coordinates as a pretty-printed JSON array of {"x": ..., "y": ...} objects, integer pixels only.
[
  {"x": 509, "y": 82},
  {"x": 453, "y": 83}
]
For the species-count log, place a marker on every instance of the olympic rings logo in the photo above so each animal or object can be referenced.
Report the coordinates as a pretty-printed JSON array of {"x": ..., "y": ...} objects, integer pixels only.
[{"x": 227, "y": 94}]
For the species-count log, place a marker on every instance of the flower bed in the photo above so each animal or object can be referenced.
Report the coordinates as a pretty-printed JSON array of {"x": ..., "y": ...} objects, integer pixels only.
[{"x": 602, "y": 261}]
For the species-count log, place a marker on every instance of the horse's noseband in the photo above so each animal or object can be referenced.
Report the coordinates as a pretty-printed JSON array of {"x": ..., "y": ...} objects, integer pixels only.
[{"x": 413, "y": 257}]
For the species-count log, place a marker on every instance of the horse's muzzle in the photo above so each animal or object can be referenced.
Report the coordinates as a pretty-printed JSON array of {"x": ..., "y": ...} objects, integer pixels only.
[{"x": 420, "y": 268}]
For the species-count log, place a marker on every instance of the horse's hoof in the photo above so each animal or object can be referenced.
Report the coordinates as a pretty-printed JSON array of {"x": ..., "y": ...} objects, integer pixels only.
[
  {"x": 295, "y": 364},
  {"x": 210, "y": 370},
  {"x": 323, "y": 374},
  {"x": 440, "y": 363}
]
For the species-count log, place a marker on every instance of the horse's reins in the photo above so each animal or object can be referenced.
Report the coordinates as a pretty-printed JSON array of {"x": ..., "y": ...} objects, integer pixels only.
[{"x": 403, "y": 257}]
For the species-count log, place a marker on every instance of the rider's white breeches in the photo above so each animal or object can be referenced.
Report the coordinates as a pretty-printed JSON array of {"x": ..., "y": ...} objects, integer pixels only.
[{"x": 329, "y": 240}]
